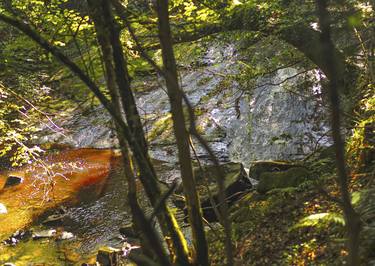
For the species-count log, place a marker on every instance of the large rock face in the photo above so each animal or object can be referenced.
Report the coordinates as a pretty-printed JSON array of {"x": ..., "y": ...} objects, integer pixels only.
[{"x": 277, "y": 120}]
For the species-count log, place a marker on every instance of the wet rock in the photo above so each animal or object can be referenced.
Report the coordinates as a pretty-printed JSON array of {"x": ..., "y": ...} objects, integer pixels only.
[
  {"x": 58, "y": 234},
  {"x": 3, "y": 209},
  {"x": 54, "y": 220},
  {"x": 44, "y": 234},
  {"x": 259, "y": 167},
  {"x": 108, "y": 256},
  {"x": 13, "y": 180},
  {"x": 18, "y": 236},
  {"x": 128, "y": 231},
  {"x": 289, "y": 178},
  {"x": 236, "y": 184},
  {"x": 64, "y": 235}
]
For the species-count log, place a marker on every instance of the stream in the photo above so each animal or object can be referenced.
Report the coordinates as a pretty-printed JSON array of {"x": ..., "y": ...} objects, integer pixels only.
[{"x": 94, "y": 191}]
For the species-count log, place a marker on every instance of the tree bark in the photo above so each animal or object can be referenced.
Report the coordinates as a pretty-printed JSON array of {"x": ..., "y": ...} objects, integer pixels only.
[
  {"x": 181, "y": 135},
  {"x": 336, "y": 83},
  {"x": 151, "y": 242},
  {"x": 138, "y": 144}
]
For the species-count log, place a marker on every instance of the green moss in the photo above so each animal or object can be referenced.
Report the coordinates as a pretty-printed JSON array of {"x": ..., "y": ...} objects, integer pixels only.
[
  {"x": 290, "y": 178},
  {"x": 259, "y": 167},
  {"x": 204, "y": 80},
  {"x": 188, "y": 53},
  {"x": 161, "y": 128},
  {"x": 220, "y": 87}
]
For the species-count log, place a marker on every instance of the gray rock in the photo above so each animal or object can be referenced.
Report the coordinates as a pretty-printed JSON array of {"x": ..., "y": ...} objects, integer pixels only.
[
  {"x": 44, "y": 234},
  {"x": 128, "y": 231},
  {"x": 65, "y": 235}
]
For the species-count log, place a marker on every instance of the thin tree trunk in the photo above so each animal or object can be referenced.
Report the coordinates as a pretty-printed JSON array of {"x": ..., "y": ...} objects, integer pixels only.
[
  {"x": 151, "y": 242},
  {"x": 148, "y": 176},
  {"x": 181, "y": 135},
  {"x": 336, "y": 84}
]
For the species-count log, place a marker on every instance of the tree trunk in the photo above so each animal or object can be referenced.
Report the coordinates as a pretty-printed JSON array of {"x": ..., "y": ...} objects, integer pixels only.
[
  {"x": 126, "y": 104},
  {"x": 151, "y": 242},
  {"x": 181, "y": 135},
  {"x": 336, "y": 83}
]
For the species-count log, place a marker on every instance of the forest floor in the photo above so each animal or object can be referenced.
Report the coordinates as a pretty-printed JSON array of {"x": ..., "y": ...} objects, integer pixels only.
[{"x": 297, "y": 226}]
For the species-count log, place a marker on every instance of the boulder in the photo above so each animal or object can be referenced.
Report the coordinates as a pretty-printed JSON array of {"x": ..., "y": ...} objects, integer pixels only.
[
  {"x": 13, "y": 180},
  {"x": 236, "y": 184},
  {"x": 259, "y": 167},
  {"x": 289, "y": 178}
]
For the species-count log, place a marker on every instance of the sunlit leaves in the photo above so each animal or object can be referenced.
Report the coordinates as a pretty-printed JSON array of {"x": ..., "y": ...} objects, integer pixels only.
[
  {"x": 320, "y": 220},
  {"x": 18, "y": 124}
]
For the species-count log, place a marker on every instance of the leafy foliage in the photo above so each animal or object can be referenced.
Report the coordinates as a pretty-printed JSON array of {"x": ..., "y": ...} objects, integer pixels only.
[
  {"x": 17, "y": 129},
  {"x": 320, "y": 220}
]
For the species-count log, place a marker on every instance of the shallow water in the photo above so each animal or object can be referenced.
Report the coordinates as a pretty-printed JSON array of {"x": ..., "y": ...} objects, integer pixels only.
[{"x": 94, "y": 189}]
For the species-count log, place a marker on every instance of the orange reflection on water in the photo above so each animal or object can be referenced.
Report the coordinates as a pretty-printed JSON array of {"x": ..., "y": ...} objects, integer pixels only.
[{"x": 57, "y": 179}]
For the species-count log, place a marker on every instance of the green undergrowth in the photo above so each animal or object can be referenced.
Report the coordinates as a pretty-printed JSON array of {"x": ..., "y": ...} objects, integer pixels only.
[{"x": 299, "y": 226}]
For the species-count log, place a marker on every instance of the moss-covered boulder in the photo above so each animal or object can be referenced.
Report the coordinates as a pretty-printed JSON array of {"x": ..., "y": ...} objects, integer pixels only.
[
  {"x": 289, "y": 178},
  {"x": 259, "y": 167}
]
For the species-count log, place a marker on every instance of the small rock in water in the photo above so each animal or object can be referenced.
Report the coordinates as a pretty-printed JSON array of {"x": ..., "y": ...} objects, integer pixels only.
[
  {"x": 44, "y": 234},
  {"x": 65, "y": 235},
  {"x": 52, "y": 233},
  {"x": 3, "y": 209},
  {"x": 15, "y": 238},
  {"x": 54, "y": 219},
  {"x": 57, "y": 218},
  {"x": 13, "y": 181}
]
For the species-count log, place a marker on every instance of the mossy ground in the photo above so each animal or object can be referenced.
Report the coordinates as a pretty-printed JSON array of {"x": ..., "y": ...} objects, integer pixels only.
[{"x": 271, "y": 230}]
